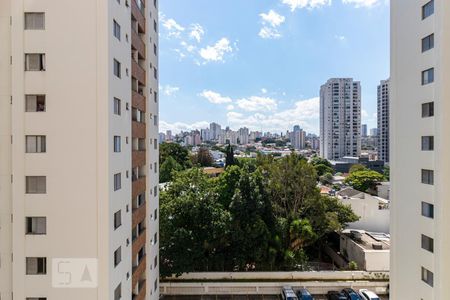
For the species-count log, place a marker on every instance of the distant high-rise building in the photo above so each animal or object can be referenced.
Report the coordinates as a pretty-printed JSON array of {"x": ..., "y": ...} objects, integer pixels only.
[
  {"x": 205, "y": 134},
  {"x": 374, "y": 132},
  {"x": 297, "y": 138},
  {"x": 169, "y": 136},
  {"x": 243, "y": 136},
  {"x": 162, "y": 137},
  {"x": 383, "y": 120},
  {"x": 340, "y": 118},
  {"x": 364, "y": 130},
  {"x": 215, "y": 130},
  {"x": 78, "y": 153},
  {"x": 419, "y": 149}
]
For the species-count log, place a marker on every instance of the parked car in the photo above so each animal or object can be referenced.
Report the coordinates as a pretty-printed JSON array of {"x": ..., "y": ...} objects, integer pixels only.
[
  {"x": 368, "y": 295},
  {"x": 304, "y": 294},
  {"x": 287, "y": 293},
  {"x": 351, "y": 294},
  {"x": 335, "y": 295}
]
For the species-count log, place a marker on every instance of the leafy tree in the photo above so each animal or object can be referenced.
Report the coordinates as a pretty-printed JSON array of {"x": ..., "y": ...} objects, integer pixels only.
[
  {"x": 203, "y": 158},
  {"x": 193, "y": 225},
  {"x": 326, "y": 178},
  {"x": 387, "y": 173},
  {"x": 322, "y": 169},
  {"x": 167, "y": 168},
  {"x": 356, "y": 168},
  {"x": 229, "y": 159},
  {"x": 316, "y": 160},
  {"x": 178, "y": 152},
  {"x": 363, "y": 180}
]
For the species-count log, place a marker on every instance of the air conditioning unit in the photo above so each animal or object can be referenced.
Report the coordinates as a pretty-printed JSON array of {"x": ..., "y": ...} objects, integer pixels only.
[{"x": 377, "y": 246}]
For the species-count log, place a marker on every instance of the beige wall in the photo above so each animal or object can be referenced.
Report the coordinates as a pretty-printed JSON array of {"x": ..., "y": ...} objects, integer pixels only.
[{"x": 407, "y": 159}]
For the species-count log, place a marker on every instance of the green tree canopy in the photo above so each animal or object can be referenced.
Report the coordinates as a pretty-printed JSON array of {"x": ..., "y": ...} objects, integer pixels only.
[
  {"x": 356, "y": 168},
  {"x": 167, "y": 168},
  {"x": 175, "y": 150},
  {"x": 317, "y": 160},
  {"x": 203, "y": 158},
  {"x": 322, "y": 169},
  {"x": 363, "y": 180}
]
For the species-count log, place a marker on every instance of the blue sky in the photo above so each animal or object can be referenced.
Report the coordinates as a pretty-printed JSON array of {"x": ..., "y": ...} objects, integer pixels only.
[{"x": 260, "y": 63}]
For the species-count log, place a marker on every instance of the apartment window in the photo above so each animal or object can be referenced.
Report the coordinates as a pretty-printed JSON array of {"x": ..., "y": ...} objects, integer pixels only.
[
  {"x": 35, "y": 103},
  {"x": 428, "y": 9},
  {"x": 427, "y": 109},
  {"x": 427, "y": 143},
  {"x": 35, "y": 144},
  {"x": 35, "y": 225},
  {"x": 155, "y": 73},
  {"x": 36, "y": 265},
  {"x": 116, "y": 30},
  {"x": 155, "y": 26},
  {"x": 155, "y": 190},
  {"x": 155, "y": 120},
  {"x": 34, "y": 21},
  {"x": 36, "y": 184},
  {"x": 35, "y": 62},
  {"x": 428, "y": 43},
  {"x": 117, "y": 181},
  {"x": 118, "y": 292},
  {"x": 155, "y": 143},
  {"x": 428, "y": 210},
  {"x": 117, "y": 68},
  {"x": 156, "y": 284},
  {"x": 427, "y": 243},
  {"x": 117, "y": 107},
  {"x": 155, "y": 49},
  {"x": 427, "y": 277},
  {"x": 155, "y": 261},
  {"x": 117, "y": 143},
  {"x": 155, "y": 239},
  {"x": 117, "y": 256},
  {"x": 155, "y": 214},
  {"x": 427, "y": 177},
  {"x": 117, "y": 219},
  {"x": 428, "y": 76},
  {"x": 155, "y": 97}
]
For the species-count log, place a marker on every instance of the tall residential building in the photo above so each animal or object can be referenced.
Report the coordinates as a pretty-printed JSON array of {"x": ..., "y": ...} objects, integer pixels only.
[
  {"x": 340, "y": 118},
  {"x": 79, "y": 149},
  {"x": 298, "y": 138},
  {"x": 420, "y": 164},
  {"x": 215, "y": 130},
  {"x": 374, "y": 132},
  {"x": 364, "y": 130},
  {"x": 243, "y": 136},
  {"x": 383, "y": 120}
]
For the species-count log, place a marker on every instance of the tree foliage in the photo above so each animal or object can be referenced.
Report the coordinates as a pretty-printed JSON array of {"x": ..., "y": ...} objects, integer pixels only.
[
  {"x": 175, "y": 150},
  {"x": 203, "y": 158},
  {"x": 167, "y": 168},
  {"x": 357, "y": 167},
  {"x": 364, "y": 180},
  {"x": 229, "y": 158},
  {"x": 267, "y": 214}
]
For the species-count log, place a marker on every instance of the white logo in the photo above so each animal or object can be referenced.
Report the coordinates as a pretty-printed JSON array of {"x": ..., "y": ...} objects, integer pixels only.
[{"x": 74, "y": 272}]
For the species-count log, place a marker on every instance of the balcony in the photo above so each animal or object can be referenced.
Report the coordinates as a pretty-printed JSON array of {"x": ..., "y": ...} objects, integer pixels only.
[
  {"x": 138, "y": 101},
  {"x": 138, "y": 187},
  {"x": 139, "y": 242},
  {"x": 138, "y": 158},
  {"x": 141, "y": 291},
  {"x": 138, "y": 215},
  {"x": 138, "y": 130},
  {"x": 138, "y": 44},
  {"x": 138, "y": 271},
  {"x": 139, "y": 14},
  {"x": 137, "y": 72}
]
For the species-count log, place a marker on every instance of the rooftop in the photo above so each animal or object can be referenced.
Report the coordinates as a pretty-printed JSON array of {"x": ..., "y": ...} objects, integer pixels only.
[{"x": 369, "y": 241}]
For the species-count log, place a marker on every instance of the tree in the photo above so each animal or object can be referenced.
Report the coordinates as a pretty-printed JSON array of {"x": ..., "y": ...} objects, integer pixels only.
[
  {"x": 363, "y": 180},
  {"x": 203, "y": 158},
  {"x": 229, "y": 159},
  {"x": 178, "y": 152},
  {"x": 356, "y": 168},
  {"x": 193, "y": 225},
  {"x": 322, "y": 169},
  {"x": 387, "y": 173},
  {"x": 166, "y": 170},
  {"x": 326, "y": 178},
  {"x": 316, "y": 160}
]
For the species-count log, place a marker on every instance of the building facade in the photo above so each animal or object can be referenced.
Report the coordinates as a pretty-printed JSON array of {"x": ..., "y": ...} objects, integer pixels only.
[
  {"x": 419, "y": 160},
  {"x": 364, "y": 130},
  {"x": 340, "y": 118},
  {"x": 383, "y": 120},
  {"x": 79, "y": 149}
]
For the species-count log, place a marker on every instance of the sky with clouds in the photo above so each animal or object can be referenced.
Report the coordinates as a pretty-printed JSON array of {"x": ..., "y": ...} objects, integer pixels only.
[{"x": 260, "y": 63}]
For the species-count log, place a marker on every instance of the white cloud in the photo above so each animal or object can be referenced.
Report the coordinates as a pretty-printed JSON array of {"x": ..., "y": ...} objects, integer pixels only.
[
  {"x": 305, "y": 113},
  {"x": 272, "y": 18},
  {"x": 173, "y": 27},
  {"x": 294, "y": 4},
  {"x": 180, "y": 126},
  {"x": 217, "y": 51},
  {"x": 264, "y": 91},
  {"x": 364, "y": 113},
  {"x": 255, "y": 103},
  {"x": 214, "y": 97},
  {"x": 340, "y": 38},
  {"x": 269, "y": 33},
  {"x": 230, "y": 107},
  {"x": 169, "y": 90},
  {"x": 196, "y": 32},
  {"x": 361, "y": 3},
  {"x": 271, "y": 21}
]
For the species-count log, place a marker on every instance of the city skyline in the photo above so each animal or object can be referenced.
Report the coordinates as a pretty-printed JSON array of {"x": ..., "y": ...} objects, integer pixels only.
[{"x": 205, "y": 60}]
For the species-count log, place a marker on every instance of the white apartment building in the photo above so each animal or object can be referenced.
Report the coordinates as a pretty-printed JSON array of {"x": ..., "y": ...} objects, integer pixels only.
[
  {"x": 383, "y": 120},
  {"x": 243, "y": 136},
  {"x": 215, "y": 130},
  {"x": 420, "y": 161},
  {"x": 79, "y": 149},
  {"x": 340, "y": 118},
  {"x": 298, "y": 138}
]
